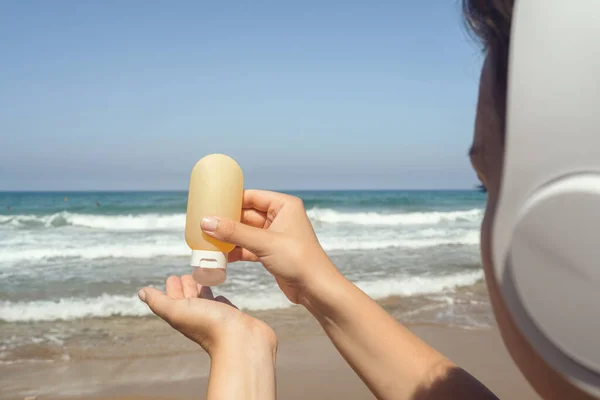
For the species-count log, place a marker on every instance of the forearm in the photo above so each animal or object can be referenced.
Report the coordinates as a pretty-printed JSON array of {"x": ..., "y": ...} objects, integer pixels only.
[
  {"x": 244, "y": 372},
  {"x": 392, "y": 361}
]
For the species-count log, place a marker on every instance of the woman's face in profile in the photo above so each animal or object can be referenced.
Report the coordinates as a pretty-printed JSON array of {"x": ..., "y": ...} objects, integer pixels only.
[{"x": 487, "y": 158}]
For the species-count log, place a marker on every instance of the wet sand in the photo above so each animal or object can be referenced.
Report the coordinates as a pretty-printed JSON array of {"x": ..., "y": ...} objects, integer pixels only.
[{"x": 308, "y": 367}]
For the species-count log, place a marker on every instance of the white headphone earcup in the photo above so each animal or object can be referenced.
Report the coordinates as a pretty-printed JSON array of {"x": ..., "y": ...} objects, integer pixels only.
[{"x": 555, "y": 257}]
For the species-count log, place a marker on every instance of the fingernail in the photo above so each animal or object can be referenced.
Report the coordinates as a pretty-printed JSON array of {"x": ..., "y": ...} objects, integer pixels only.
[
  {"x": 142, "y": 295},
  {"x": 209, "y": 224}
]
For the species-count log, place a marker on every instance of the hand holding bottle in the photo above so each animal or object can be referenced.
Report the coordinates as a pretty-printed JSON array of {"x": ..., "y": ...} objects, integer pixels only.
[{"x": 276, "y": 231}]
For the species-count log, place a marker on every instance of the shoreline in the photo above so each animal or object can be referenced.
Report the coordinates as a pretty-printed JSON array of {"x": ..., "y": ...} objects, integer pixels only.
[
  {"x": 52, "y": 342},
  {"x": 308, "y": 367}
]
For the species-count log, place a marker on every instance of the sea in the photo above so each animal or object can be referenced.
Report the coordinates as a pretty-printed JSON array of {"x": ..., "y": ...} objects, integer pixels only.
[{"x": 71, "y": 263}]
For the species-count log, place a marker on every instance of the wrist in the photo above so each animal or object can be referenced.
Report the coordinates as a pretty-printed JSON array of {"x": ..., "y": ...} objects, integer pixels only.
[
  {"x": 243, "y": 366},
  {"x": 321, "y": 288},
  {"x": 244, "y": 357},
  {"x": 251, "y": 342}
]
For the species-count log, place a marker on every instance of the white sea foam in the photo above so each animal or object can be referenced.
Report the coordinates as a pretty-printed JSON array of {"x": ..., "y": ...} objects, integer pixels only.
[
  {"x": 72, "y": 308},
  {"x": 416, "y": 285},
  {"x": 112, "y": 305},
  {"x": 118, "y": 305},
  {"x": 330, "y": 216},
  {"x": 156, "y": 222},
  {"x": 142, "y": 222},
  {"x": 352, "y": 243},
  {"x": 94, "y": 252},
  {"x": 174, "y": 246}
]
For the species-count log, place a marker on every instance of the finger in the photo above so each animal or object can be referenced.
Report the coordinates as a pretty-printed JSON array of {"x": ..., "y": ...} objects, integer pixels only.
[
  {"x": 262, "y": 200},
  {"x": 190, "y": 287},
  {"x": 174, "y": 288},
  {"x": 205, "y": 292},
  {"x": 160, "y": 303},
  {"x": 258, "y": 241},
  {"x": 254, "y": 218},
  {"x": 239, "y": 254},
  {"x": 224, "y": 300}
]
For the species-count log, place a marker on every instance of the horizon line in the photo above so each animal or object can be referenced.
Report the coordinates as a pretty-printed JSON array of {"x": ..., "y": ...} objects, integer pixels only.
[{"x": 474, "y": 188}]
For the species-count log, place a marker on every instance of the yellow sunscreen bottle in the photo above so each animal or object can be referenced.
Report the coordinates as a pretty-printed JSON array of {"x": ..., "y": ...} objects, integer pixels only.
[{"x": 216, "y": 189}]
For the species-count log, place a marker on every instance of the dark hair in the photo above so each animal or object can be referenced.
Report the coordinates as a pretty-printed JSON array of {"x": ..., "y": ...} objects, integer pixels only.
[{"x": 490, "y": 22}]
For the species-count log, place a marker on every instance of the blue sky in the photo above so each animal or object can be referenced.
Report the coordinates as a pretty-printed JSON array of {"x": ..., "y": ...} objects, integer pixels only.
[{"x": 305, "y": 95}]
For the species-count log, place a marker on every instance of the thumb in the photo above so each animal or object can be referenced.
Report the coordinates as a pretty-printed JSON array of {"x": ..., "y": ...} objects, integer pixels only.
[{"x": 256, "y": 240}]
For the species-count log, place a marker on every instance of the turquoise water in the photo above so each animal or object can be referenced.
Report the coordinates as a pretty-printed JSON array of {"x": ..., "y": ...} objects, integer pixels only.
[
  {"x": 71, "y": 256},
  {"x": 115, "y": 203}
]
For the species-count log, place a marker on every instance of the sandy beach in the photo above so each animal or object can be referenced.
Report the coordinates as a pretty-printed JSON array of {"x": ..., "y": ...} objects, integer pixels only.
[{"x": 308, "y": 367}]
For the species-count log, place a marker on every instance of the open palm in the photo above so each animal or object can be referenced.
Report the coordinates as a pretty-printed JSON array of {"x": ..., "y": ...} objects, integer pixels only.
[{"x": 209, "y": 321}]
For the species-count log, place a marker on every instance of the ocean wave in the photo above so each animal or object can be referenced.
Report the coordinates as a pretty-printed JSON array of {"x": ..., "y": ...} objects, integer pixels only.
[
  {"x": 171, "y": 222},
  {"x": 330, "y": 216},
  {"x": 108, "y": 305},
  {"x": 419, "y": 285},
  {"x": 176, "y": 247},
  {"x": 348, "y": 243},
  {"x": 142, "y": 222},
  {"x": 125, "y": 250},
  {"x": 72, "y": 308}
]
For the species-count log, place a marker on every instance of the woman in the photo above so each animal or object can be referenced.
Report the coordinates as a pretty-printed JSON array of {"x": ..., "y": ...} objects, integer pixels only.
[{"x": 276, "y": 232}]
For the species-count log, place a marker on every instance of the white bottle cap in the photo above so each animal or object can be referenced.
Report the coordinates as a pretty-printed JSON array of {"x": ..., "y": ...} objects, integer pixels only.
[{"x": 211, "y": 267}]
